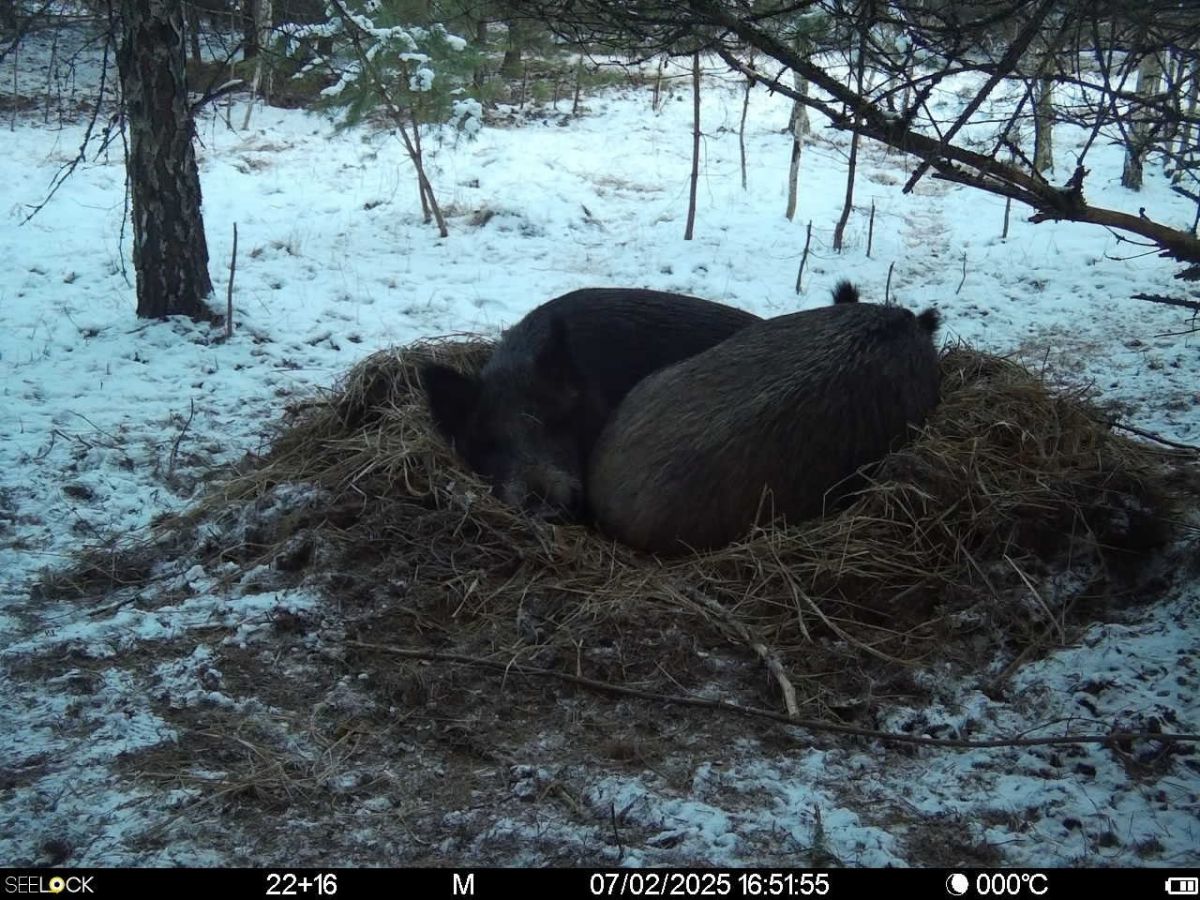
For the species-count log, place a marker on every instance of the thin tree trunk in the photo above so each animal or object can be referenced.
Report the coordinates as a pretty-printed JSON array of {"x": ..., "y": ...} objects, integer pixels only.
[
  {"x": 50, "y": 79},
  {"x": 428, "y": 200},
  {"x": 193, "y": 30},
  {"x": 1185, "y": 132},
  {"x": 170, "y": 253},
  {"x": 840, "y": 230},
  {"x": 578, "y": 87},
  {"x": 691, "y": 215},
  {"x": 250, "y": 29},
  {"x": 413, "y": 147},
  {"x": 1043, "y": 124},
  {"x": 510, "y": 66},
  {"x": 262, "y": 34},
  {"x": 793, "y": 178},
  {"x": 266, "y": 20},
  {"x": 871, "y": 231},
  {"x": 481, "y": 39},
  {"x": 656, "y": 91},
  {"x": 1139, "y": 131},
  {"x": 798, "y": 125},
  {"x": 742, "y": 129},
  {"x": 399, "y": 117},
  {"x": 1045, "y": 58},
  {"x": 428, "y": 188},
  {"x": 1174, "y": 72},
  {"x": 16, "y": 55},
  {"x": 422, "y": 184},
  {"x": 804, "y": 256}
]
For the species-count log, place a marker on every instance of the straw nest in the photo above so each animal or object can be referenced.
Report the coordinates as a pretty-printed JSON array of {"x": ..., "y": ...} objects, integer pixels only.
[{"x": 1014, "y": 515}]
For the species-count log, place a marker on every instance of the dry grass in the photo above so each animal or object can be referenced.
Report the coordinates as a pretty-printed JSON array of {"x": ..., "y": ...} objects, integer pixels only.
[{"x": 1015, "y": 514}]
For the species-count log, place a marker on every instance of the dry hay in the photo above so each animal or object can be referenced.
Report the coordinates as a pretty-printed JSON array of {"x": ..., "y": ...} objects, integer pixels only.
[{"x": 1015, "y": 514}]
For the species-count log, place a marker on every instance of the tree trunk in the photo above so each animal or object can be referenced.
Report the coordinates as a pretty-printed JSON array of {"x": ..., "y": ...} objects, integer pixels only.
[
  {"x": 1043, "y": 125},
  {"x": 691, "y": 213},
  {"x": 656, "y": 91},
  {"x": 1045, "y": 56},
  {"x": 266, "y": 19},
  {"x": 250, "y": 31},
  {"x": 1174, "y": 71},
  {"x": 169, "y": 251},
  {"x": 423, "y": 186},
  {"x": 510, "y": 66},
  {"x": 262, "y": 12},
  {"x": 799, "y": 126},
  {"x": 193, "y": 30},
  {"x": 839, "y": 230},
  {"x": 742, "y": 129},
  {"x": 1139, "y": 132},
  {"x": 481, "y": 39},
  {"x": 1186, "y": 150}
]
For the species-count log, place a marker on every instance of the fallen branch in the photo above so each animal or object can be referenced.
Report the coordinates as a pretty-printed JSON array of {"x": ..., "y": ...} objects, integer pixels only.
[
  {"x": 212, "y": 95},
  {"x": 516, "y": 668},
  {"x": 1157, "y": 438},
  {"x": 1193, "y": 305},
  {"x": 740, "y": 632},
  {"x": 179, "y": 438}
]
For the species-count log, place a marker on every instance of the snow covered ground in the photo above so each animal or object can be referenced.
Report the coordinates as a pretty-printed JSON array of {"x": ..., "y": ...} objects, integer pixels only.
[{"x": 109, "y": 421}]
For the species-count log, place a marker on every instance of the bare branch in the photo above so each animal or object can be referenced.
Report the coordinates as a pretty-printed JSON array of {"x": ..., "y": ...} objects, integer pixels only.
[
  {"x": 1007, "y": 63},
  {"x": 1193, "y": 305}
]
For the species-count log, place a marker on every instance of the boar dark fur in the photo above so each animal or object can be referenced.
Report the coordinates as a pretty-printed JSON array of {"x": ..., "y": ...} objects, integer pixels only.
[
  {"x": 529, "y": 420},
  {"x": 771, "y": 422}
]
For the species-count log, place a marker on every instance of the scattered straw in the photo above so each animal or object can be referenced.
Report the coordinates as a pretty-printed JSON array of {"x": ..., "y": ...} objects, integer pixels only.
[{"x": 1015, "y": 514}]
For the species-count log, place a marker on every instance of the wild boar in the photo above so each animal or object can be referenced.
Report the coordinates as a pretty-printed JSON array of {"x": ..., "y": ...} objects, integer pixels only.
[
  {"x": 529, "y": 420},
  {"x": 770, "y": 422}
]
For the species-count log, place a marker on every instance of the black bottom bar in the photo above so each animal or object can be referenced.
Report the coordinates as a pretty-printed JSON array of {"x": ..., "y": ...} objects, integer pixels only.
[{"x": 604, "y": 882}]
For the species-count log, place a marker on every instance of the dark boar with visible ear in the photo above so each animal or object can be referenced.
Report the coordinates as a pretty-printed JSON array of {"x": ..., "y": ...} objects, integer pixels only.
[
  {"x": 774, "y": 420},
  {"x": 528, "y": 421}
]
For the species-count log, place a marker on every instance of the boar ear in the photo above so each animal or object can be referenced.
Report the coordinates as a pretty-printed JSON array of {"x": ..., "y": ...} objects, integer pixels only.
[
  {"x": 554, "y": 363},
  {"x": 845, "y": 292},
  {"x": 452, "y": 395}
]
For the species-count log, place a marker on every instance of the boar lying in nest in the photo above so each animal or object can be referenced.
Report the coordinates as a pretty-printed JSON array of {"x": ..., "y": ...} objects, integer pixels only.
[{"x": 1015, "y": 513}]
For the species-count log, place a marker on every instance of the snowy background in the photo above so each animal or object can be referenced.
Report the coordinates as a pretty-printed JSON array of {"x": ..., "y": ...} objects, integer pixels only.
[{"x": 110, "y": 421}]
